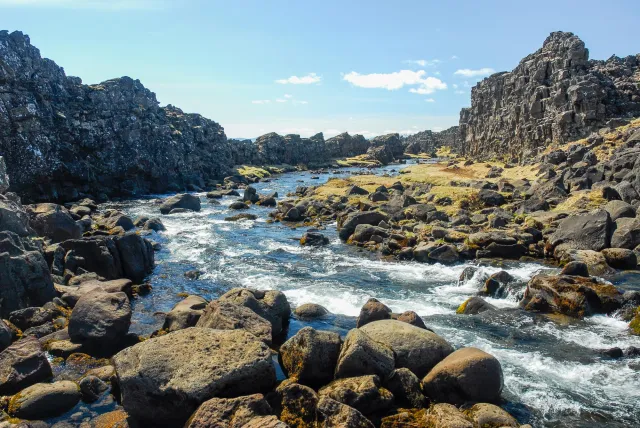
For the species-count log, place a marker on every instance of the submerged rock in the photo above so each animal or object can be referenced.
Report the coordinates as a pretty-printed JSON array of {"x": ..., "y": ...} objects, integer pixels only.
[
  {"x": 163, "y": 380},
  {"x": 184, "y": 201}
]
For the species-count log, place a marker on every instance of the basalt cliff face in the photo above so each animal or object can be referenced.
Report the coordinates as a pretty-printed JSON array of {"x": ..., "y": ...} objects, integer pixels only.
[
  {"x": 430, "y": 141},
  {"x": 62, "y": 139},
  {"x": 554, "y": 95}
]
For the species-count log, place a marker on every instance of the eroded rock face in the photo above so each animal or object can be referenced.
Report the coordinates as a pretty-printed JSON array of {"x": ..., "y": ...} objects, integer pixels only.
[
  {"x": 554, "y": 95},
  {"x": 163, "y": 380}
]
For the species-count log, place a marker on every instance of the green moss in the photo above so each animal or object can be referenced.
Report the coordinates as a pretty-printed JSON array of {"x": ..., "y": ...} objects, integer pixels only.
[
  {"x": 462, "y": 307},
  {"x": 634, "y": 325}
]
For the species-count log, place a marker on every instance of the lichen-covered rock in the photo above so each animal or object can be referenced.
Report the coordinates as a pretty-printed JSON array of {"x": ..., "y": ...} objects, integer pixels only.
[
  {"x": 590, "y": 231},
  {"x": 443, "y": 415},
  {"x": 474, "y": 305},
  {"x": 298, "y": 403},
  {"x": 332, "y": 413},
  {"x": 163, "y": 380},
  {"x": 310, "y": 356},
  {"x": 229, "y": 412},
  {"x": 363, "y": 393},
  {"x": 271, "y": 305},
  {"x": 373, "y": 310},
  {"x": 406, "y": 389},
  {"x": 22, "y": 364},
  {"x": 415, "y": 348},
  {"x": 490, "y": 415},
  {"x": 44, "y": 400},
  {"x": 310, "y": 311},
  {"x": 575, "y": 296},
  {"x": 229, "y": 316},
  {"x": 467, "y": 374},
  {"x": 360, "y": 355}
]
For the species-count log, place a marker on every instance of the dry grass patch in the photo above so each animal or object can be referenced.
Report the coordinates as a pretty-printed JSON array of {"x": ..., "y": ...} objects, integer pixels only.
[{"x": 582, "y": 200}]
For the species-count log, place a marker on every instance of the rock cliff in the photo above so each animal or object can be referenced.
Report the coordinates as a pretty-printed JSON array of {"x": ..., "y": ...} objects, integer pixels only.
[
  {"x": 554, "y": 95},
  {"x": 430, "y": 141}
]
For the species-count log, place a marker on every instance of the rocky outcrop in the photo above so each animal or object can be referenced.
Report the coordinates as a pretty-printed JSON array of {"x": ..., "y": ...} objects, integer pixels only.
[
  {"x": 61, "y": 139},
  {"x": 554, "y": 95},
  {"x": 430, "y": 141}
]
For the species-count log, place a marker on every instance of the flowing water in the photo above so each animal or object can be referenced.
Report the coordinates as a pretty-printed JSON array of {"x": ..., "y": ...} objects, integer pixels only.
[{"x": 554, "y": 375}]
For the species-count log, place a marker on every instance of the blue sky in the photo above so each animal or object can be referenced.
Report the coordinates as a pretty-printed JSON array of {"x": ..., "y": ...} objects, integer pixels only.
[{"x": 303, "y": 67}]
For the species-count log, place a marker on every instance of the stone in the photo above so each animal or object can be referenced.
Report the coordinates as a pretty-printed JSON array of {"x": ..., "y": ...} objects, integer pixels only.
[
  {"x": 591, "y": 231},
  {"x": 184, "y": 201},
  {"x": 443, "y": 415},
  {"x": 626, "y": 234},
  {"x": 92, "y": 388},
  {"x": 363, "y": 393},
  {"x": 310, "y": 356},
  {"x": 314, "y": 239},
  {"x": 230, "y": 316},
  {"x": 136, "y": 256},
  {"x": 163, "y": 380},
  {"x": 356, "y": 190},
  {"x": 250, "y": 195},
  {"x": 474, "y": 305},
  {"x": 360, "y": 355},
  {"x": 6, "y": 335},
  {"x": 298, "y": 403},
  {"x": 496, "y": 284},
  {"x": 619, "y": 209},
  {"x": 54, "y": 222},
  {"x": 332, "y": 413},
  {"x": 347, "y": 225},
  {"x": 184, "y": 314},
  {"x": 467, "y": 374},
  {"x": 115, "y": 219},
  {"x": 238, "y": 205},
  {"x": 271, "y": 305},
  {"x": 620, "y": 258},
  {"x": 406, "y": 389},
  {"x": 444, "y": 254},
  {"x": 412, "y": 318},
  {"x": 491, "y": 198},
  {"x": 596, "y": 262},
  {"x": 490, "y": 415},
  {"x": 100, "y": 319},
  {"x": 415, "y": 348},
  {"x": 575, "y": 269},
  {"x": 575, "y": 296},
  {"x": 22, "y": 364},
  {"x": 14, "y": 218},
  {"x": 229, "y": 412},
  {"x": 4, "y": 178},
  {"x": 373, "y": 310},
  {"x": 311, "y": 311},
  {"x": 154, "y": 224},
  {"x": 45, "y": 400}
]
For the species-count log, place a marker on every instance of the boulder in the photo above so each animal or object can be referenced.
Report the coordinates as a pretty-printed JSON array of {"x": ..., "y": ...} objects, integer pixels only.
[
  {"x": 490, "y": 415},
  {"x": 415, "y": 348},
  {"x": 412, "y": 318},
  {"x": 24, "y": 275},
  {"x": 184, "y": 201},
  {"x": 54, "y": 222},
  {"x": 185, "y": 313},
  {"x": 575, "y": 269},
  {"x": 116, "y": 219},
  {"x": 13, "y": 218},
  {"x": 443, "y": 415},
  {"x": 347, "y": 225},
  {"x": 310, "y": 356},
  {"x": 271, "y": 305},
  {"x": 406, "y": 389},
  {"x": 364, "y": 393},
  {"x": 136, "y": 255},
  {"x": 619, "y": 209},
  {"x": 100, "y": 319},
  {"x": 229, "y": 412},
  {"x": 154, "y": 224},
  {"x": 446, "y": 254},
  {"x": 591, "y": 231},
  {"x": 250, "y": 195},
  {"x": 356, "y": 190},
  {"x": 596, "y": 262},
  {"x": 332, "y": 413},
  {"x": 230, "y": 316},
  {"x": 620, "y": 258},
  {"x": 360, "y": 355},
  {"x": 163, "y": 380},
  {"x": 373, "y": 310},
  {"x": 91, "y": 388},
  {"x": 238, "y": 205},
  {"x": 491, "y": 198},
  {"x": 475, "y": 305},
  {"x": 298, "y": 403},
  {"x": 626, "y": 234},
  {"x": 22, "y": 364},
  {"x": 45, "y": 400},
  {"x": 467, "y": 374},
  {"x": 310, "y": 311},
  {"x": 575, "y": 296},
  {"x": 314, "y": 239}
]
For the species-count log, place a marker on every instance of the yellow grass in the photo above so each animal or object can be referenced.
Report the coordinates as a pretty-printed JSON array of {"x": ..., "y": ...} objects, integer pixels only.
[{"x": 582, "y": 200}]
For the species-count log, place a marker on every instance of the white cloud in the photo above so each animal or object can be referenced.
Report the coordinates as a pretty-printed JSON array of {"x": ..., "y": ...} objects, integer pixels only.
[
  {"x": 87, "y": 4},
  {"x": 288, "y": 96},
  {"x": 397, "y": 80},
  {"x": 304, "y": 80},
  {"x": 260, "y": 101},
  {"x": 300, "y": 102},
  {"x": 455, "y": 86},
  {"x": 467, "y": 72},
  {"x": 454, "y": 57},
  {"x": 423, "y": 62},
  {"x": 281, "y": 100},
  {"x": 430, "y": 100}
]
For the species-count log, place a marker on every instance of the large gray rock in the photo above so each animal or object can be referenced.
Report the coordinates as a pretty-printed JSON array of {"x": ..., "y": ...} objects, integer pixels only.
[
  {"x": 163, "y": 380},
  {"x": 591, "y": 231},
  {"x": 360, "y": 355},
  {"x": 363, "y": 393},
  {"x": 136, "y": 255},
  {"x": 310, "y": 356},
  {"x": 54, "y": 222},
  {"x": 45, "y": 400},
  {"x": 24, "y": 275},
  {"x": 468, "y": 374},
  {"x": 415, "y": 348},
  {"x": 185, "y": 201},
  {"x": 271, "y": 305},
  {"x": 22, "y": 364},
  {"x": 347, "y": 225},
  {"x": 626, "y": 234},
  {"x": 100, "y": 319},
  {"x": 185, "y": 313},
  {"x": 230, "y": 316},
  {"x": 14, "y": 218}
]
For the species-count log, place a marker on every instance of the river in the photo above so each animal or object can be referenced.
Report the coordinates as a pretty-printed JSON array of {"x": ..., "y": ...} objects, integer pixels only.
[{"x": 554, "y": 376}]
